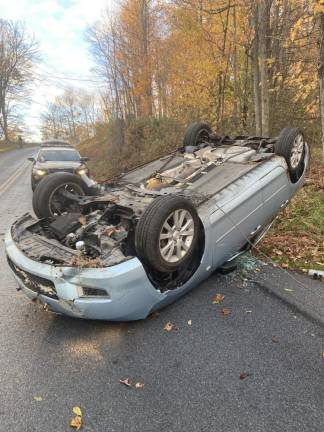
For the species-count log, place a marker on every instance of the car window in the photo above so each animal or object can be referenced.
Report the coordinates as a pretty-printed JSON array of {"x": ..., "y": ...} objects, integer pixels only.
[{"x": 58, "y": 155}]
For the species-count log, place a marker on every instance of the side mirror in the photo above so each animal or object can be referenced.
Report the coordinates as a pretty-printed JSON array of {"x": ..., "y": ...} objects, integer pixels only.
[
  {"x": 84, "y": 159},
  {"x": 31, "y": 159}
]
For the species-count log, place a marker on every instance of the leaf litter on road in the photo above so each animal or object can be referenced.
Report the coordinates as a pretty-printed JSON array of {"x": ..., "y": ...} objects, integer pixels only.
[
  {"x": 76, "y": 421},
  {"x": 226, "y": 311},
  {"x": 244, "y": 375},
  {"x": 168, "y": 326},
  {"x": 38, "y": 398},
  {"x": 130, "y": 383},
  {"x": 127, "y": 382},
  {"x": 139, "y": 384},
  {"x": 218, "y": 298}
]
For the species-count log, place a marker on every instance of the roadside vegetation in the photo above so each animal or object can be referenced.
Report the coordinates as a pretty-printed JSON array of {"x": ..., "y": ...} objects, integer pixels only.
[{"x": 296, "y": 239}]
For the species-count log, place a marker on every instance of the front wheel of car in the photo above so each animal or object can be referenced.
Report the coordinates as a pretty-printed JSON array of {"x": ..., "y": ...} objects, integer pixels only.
[
  {"x": 50, "y": 196},
  {"x": 291, "y": 145},
  {"x": 167, "y": 233}
]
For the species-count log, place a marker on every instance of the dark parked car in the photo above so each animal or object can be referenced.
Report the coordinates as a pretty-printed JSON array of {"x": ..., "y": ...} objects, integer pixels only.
[{"x": 56, "y": 156}]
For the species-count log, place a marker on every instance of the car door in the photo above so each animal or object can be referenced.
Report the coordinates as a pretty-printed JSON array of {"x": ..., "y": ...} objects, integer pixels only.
[
  {"x": 276, "y": 190},
  {"x": 238, "y": 214}
]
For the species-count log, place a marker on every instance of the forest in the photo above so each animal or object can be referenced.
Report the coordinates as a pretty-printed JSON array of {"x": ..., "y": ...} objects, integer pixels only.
[{"x": 245, "y": 67}]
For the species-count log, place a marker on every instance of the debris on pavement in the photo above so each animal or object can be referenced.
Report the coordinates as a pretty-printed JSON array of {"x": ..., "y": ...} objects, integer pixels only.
[
  {"x": 316, "y": 274},
  {"x": 127, "y": 382},
  {"x": 38, "y": 398},
  {"x": 139, "y": 384},
  {"x": 168, "y": 326},
  {"x": 218, "y": 298},
  {"x": 244, "y": 375},
  {"x": 275, "y": 339},
  {"x": 76, "y": 421},
  {"x": 226, "y": 311},
  {"x": 189, "y": 323}
]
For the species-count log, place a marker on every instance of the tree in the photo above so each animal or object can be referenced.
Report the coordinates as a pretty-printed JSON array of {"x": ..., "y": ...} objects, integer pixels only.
[
  {"x": 72, "y": 116},
  {"x": 18, "y": 53},
  {"x": 321, "y": 71}
]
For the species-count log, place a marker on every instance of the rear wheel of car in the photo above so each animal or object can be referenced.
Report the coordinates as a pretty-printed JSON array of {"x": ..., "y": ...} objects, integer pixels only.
[
  {"x": 197, "y": 133},
  {"x": 291, "y": 145},
  {"x": 167, "y": 233},
  {"x": 48, "y": 198}
]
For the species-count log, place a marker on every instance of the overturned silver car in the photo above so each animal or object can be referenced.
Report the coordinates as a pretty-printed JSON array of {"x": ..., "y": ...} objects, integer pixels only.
[{"x": 120, "y": 250}]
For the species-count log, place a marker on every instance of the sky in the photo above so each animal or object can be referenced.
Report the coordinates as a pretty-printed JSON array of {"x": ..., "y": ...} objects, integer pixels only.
[{"x": 59, "y": 26}]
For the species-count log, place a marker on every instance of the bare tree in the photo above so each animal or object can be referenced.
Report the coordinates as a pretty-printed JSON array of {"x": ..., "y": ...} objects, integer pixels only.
[
  {"x": 72, "y": 116},
  {"x": 18, "y": 53}
]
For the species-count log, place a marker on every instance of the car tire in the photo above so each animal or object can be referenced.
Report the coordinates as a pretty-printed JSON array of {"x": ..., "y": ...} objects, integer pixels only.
[
  {"x": 291, "y": 145},
  {"x": 196, "y": 134},
  {"x": 152, "y": 237},
  {"x": 45, "y": 190}
]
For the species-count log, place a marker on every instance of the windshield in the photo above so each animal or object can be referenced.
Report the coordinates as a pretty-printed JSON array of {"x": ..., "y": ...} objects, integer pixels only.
[{"x": 59, "y": 155}]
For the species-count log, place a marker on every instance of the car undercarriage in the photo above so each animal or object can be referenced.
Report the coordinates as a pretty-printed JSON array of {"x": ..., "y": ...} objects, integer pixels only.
[{"x": 176, "y": 218}]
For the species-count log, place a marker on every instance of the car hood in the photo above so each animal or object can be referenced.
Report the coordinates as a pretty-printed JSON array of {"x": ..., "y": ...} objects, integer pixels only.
[{"x": 58, "y": 164}]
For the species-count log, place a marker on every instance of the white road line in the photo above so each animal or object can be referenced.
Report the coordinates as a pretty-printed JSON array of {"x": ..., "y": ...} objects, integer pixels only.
[{"x": 4, "y": 187}]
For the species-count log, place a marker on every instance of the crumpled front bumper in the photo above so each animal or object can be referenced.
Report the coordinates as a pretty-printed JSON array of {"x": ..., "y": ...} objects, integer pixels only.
[{"x": 130, "y": 294}]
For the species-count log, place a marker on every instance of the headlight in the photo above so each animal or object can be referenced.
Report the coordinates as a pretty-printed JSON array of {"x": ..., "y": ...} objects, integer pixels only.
[
  {"x": 39, "y": 172},
  {"x": 82, "y": 170}
]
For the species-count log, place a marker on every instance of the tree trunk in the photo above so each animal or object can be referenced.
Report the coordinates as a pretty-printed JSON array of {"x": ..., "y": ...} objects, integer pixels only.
[
  {"x": 321, "y": 74},
  {"x": 264, "y": 19},
  {"x": 256, "y": 71},
  {"x": 235, "y": 75}
]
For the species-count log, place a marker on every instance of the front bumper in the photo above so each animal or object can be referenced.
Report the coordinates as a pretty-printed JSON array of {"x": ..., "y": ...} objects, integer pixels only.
[{"x": 130, "y": 295}]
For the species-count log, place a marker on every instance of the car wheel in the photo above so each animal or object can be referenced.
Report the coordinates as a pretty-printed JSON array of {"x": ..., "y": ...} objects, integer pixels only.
[
  {"x": 291, "y": 145},
  {"x": 167, "y": 233},
  {"x": 197, "y": 133},
  {"x": 48, "y": 200}
]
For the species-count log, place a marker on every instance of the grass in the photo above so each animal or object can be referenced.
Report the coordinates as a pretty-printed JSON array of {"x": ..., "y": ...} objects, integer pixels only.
[{"x": 296, "y": 240}]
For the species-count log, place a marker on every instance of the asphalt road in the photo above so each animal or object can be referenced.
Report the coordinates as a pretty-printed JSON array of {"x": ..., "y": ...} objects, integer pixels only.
[{"x": 191, "y": 374}]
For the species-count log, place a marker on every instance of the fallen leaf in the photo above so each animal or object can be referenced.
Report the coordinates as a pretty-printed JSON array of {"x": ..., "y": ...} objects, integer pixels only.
[
  {"x": 139, "y": 385},
  {"x": 127, "y": 382},
  {"x": 76, "y": 422},
  {"x": 218, "y": 298},
  {"x": 82, "y": 220},
  {"x": 189, "y": 322},
  {"x": 168, "y": 326},
  {"x": 226, "y": 311},
  {"x": 275, "y": 339},
  {"x": 284, "y": 265},
  {"x": 38, "y": 398},
  {"x": 244, "y": 375},
  {"x": 77, "y": 411}
]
